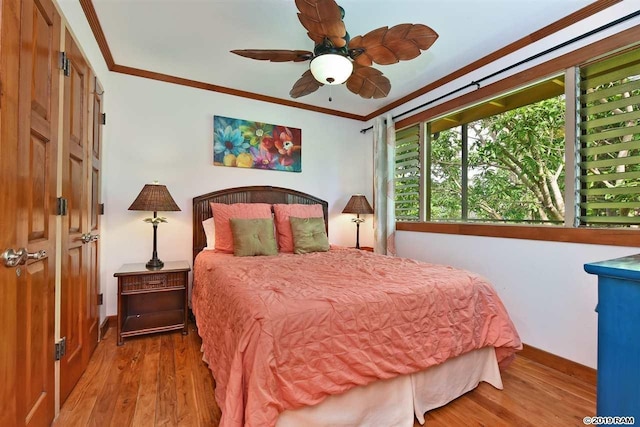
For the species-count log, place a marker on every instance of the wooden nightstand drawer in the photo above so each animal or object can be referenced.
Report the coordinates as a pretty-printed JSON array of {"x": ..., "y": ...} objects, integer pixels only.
[{"x": 147, "y": 282}]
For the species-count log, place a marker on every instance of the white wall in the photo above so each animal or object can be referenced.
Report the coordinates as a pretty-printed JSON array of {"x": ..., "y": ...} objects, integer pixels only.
[
  {"x": 160, "y": 131},
  {"x": 549, "y": 296}
]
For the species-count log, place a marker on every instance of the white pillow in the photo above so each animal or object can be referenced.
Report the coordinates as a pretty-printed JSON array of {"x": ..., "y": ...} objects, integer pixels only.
[{"x": 209, "y": 231}]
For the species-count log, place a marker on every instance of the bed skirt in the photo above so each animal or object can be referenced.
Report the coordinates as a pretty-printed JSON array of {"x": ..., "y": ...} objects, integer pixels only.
[{"x": 394, "y": 402}]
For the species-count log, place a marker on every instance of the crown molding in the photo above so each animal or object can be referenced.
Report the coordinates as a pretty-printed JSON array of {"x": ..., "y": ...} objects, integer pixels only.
[{"x": 228, "y": 91}]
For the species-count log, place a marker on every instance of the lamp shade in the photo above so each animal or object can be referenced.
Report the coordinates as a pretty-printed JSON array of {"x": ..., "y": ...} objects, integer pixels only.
[
  {"x": 331, "y": 69},
  {"x": 154, "y": 197},
  {"x": 358, "y": 204}
]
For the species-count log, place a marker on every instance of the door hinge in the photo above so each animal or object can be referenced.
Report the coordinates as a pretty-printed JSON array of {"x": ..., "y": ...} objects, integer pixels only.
[
  {"x": 100, "y": 208},
  {"x": 61, "y": 206},
  {"x": 100, "y": 299},
  {"x": 103, "y": 118},
  {"x": 61, "y": 348},
  {"x": 64, "y": 64}
]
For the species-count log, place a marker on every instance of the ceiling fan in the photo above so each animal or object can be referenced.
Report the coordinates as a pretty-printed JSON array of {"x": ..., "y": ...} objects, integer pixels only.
[{"x": 337, "y": 58}]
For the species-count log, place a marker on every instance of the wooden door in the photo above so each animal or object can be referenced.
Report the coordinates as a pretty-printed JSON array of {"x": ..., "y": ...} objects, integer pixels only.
[
  {"x": 29, "y": 175},
  {"x": 92, "y": 320},
  {"x": 73, "y": 290},
  {"x": 9, "y": 76}
]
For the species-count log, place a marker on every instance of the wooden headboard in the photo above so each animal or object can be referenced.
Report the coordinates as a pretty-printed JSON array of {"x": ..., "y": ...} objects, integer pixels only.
[{"x": 254, "y": 194}]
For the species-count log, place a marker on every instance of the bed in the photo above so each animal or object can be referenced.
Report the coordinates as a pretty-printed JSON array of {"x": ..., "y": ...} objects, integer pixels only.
[{"x": 342, "y": 337}]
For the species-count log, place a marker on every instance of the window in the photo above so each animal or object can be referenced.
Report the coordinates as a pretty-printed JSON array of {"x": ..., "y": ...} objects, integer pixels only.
[
  {"x": 501, "y": 161},
  {"x": 610, "y": 141},
  {"x": 407, "y": 176},
  {"x": 504, "y": 160}
]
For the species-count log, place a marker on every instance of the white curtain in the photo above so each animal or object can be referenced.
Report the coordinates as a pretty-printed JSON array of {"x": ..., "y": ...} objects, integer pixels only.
[{"x": 384, "y": 143}]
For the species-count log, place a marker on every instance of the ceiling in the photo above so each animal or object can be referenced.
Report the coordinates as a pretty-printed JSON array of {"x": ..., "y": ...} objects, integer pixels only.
[{"x": 192, "y": 39}]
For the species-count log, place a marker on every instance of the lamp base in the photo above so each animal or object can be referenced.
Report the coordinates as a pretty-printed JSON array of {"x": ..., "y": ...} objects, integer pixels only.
[
  {"x": 358, "y": 221},
  {"x": 155, "y": 264}
]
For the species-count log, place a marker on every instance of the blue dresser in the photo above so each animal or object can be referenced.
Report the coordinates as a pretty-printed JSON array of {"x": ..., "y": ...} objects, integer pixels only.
[{"x": 618, "y": 336}]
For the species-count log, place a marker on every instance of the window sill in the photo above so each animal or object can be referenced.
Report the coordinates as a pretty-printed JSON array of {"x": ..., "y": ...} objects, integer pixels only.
[{"x": 596, "y": 236}]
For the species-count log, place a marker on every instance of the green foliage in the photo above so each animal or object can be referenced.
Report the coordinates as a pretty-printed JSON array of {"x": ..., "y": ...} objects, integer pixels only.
[
  {"x": 515, "y": 167},
  {"x": 518, "y": 163},
  {"x": 446, "y": 176}
]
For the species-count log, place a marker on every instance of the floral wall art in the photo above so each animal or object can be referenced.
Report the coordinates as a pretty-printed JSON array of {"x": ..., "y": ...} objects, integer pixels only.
[{"x": 247, "y": 144}]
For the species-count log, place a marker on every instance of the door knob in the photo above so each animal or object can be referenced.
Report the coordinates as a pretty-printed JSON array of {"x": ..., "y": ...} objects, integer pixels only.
[
  {"x": 13, "y": 258},
  {"x": 88, "y": 237}
]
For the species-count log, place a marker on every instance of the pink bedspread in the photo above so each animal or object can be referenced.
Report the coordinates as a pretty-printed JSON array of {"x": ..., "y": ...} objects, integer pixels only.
[{"x": 285, "y": 331}]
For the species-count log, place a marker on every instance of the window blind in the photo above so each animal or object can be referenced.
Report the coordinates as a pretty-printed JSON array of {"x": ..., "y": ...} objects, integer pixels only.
[
  {"x": 407, "y": 173},
  {"x": 610, "y": 141}
]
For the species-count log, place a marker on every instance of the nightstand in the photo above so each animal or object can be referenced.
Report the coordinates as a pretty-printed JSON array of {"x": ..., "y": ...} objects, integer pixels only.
[
  {"x": 152, "y": 300},
  {"x": 364, "y": 248}
]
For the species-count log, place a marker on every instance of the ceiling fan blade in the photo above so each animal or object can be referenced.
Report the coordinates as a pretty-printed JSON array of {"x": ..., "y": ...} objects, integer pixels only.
[
  {"x": 368, "y": 82},
  {"x": 305, "y": 85},
  {"x": 386, "y": 45},
  {"x": 322, "y": 19},
  {"x": 275, "y": 55}
]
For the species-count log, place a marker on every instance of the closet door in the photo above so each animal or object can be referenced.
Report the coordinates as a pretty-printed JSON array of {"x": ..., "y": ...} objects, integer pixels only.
[
  {"x": 93, "y": 277},
  {"x": 37, "y": 168},
  {"x": 30, "y": 183},
  {"x": 75, "y": 223},
  {"x": 9, "y": 280}
]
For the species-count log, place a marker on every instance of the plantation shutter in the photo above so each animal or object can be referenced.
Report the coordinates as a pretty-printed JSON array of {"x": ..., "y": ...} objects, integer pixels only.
[
  {"x": 610, "y": 141},
  {"x": 407, "y": 174}
]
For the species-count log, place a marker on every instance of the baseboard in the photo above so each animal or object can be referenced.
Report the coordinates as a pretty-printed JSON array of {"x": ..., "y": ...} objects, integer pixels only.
[
  {"x": 108, "y": 322},
  {"x": 558, "y": 363}
]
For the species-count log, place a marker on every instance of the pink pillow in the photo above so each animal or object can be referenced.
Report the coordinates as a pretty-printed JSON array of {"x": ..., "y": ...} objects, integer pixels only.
[
  {"x": 222, "y": 213},
  {"x": 283, "y": 226}
]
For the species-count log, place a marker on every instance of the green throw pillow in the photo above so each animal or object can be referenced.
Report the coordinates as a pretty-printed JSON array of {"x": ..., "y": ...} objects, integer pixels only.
[
  {"x": 253, "y": 237},
  {"x": 309, "y": 235}
]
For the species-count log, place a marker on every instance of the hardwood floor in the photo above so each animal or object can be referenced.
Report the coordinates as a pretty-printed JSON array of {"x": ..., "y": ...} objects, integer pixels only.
[
  {"x": 160, "y": 380},
  {"x": 154, "y": 380}
]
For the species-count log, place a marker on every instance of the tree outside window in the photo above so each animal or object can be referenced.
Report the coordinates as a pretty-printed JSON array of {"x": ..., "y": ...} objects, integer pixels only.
[{"x": 503, "y": 161}]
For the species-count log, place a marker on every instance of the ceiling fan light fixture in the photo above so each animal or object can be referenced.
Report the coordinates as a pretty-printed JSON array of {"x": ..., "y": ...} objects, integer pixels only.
[{"x": 331, "y": 68}]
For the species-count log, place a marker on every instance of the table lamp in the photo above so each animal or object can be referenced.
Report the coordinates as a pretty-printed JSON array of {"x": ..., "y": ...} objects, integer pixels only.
[
  {"x": 358, "y": 204},
  {"x": 154, "y": 197}
]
